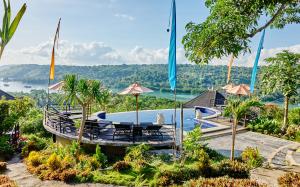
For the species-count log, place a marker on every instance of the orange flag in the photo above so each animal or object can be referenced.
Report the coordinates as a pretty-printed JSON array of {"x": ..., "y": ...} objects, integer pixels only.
[
  {"x": 52, "y": 65},
  {"x": 51, "y": 74},
  {"x": 229, "y": 68}
]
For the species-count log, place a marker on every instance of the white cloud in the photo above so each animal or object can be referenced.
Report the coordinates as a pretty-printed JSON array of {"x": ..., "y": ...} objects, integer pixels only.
[
  {"x": 125, "y": 16},
  {"x": 97, "y": 53},
  {"x": 248, "y": 59}
]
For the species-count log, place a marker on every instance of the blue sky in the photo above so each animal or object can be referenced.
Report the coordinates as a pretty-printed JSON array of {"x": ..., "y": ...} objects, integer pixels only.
[{"x": 115, "y": 31}]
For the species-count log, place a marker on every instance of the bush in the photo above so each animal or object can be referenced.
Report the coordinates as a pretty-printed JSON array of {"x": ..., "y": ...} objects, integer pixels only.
[
  {"x": 294, "y": 116},
  {"x": 192, "y": 143},
  {"x": 34, "y": 143},
  {"x": 32, "y": 123},
  {"x": 289, "y": 179},
  {"x": 138, "y": 152},
  {"x": 3, "y": 166},
  {"x": 233, "y": 169},
  {"x": 293, "y": 132},
  {"x": 252, "y": 157},
  {"x": 265, "y": 125},
  {"x": 223, "y": 182},
  {"x": 68, "y": 175},
  {"x": 121, "y": 166},
  {"x": 5, "y": 181},
  {"x": 34, "y": 159},
  {"x": 54, "y": 162},
  {"x": 6, "y": 149},
  {"x": 100, "y": 157}
]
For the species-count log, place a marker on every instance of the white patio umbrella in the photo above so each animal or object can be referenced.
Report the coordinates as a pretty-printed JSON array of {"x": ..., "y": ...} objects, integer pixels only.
[
  {"x": 57, "y": 86},
  {"x": 135, "y": 89}
]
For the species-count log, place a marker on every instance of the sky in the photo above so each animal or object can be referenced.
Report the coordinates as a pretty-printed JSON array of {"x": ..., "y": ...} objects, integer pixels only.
[{"x": 95, "y": 32}]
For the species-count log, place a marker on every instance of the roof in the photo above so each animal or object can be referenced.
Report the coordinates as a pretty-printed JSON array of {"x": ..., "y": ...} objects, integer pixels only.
[
  {"x": 207, "y": 99},
  {"x": 6, "y": 96}
]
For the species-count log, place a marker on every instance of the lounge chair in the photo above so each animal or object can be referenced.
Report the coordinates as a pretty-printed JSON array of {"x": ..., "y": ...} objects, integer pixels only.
[
  {"x": 123, "y": 129},
  {"x": 154, "y": 131}
]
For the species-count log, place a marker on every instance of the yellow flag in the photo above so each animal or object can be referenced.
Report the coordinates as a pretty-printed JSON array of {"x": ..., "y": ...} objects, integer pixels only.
[
  {"x": 52, "y": 66},
  {"x": 229, "y": 68}
]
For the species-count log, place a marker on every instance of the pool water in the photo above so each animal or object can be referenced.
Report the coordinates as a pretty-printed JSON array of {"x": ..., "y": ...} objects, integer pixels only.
[{"x": 150, "y": 116}]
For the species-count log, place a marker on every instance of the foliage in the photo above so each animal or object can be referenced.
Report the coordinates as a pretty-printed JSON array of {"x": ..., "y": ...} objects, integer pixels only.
[
  {"x": 4, "y": 108},
  {"x": 6, "y": 149},
  {"x": 192, "y": 143},
  {"x": 121, "y": 166},
  {"x": 32, "y": 123},
  {"x": 289, "y": 179},
  {"x": 294, "y": 116},
  {"x": 231, "y": 25},
  {"x": 100, "y": 157},
  {"x": 9, "y": 28},
  {"x": 34, "y": 143},
  {"x": 5, "y": 181},
  {"x": 53, "y": 162},
  {"x": 222, "y": 182},
  {"x": 265, "y": 125},
  {"x": 136, "y": 153},
  {"x": 34, "y": 158},
  {"x": 282, "y": 76},
  {"x": 233, "y": 169},
  {"x": 293, "y": 133},
  {"x": 3, "y": 166},
  {"x": 252, "y": 157}
]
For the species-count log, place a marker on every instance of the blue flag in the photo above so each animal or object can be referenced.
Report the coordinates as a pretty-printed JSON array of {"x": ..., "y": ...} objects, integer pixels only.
[
  {"x": 172, "y": 49},
  {"x": 254, "y": 70}
]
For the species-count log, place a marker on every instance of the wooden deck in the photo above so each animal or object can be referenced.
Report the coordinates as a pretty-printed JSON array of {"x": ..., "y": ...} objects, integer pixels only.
[{"x": 60, "y": 126}]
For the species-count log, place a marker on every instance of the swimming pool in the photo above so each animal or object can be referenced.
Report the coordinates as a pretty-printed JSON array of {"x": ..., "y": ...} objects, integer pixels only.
[{"x": 150, "y": 116}]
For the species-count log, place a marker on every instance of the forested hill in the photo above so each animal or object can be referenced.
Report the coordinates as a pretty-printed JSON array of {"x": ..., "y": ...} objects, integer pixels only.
[{"x": 191, "y": 78}]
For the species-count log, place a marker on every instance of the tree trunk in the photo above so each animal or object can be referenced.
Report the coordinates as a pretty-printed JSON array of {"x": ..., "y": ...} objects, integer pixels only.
[
  {"x": 286, "y": 112},
  {"x": 1, "y": 51},
  {"x": 235, "y": 121},
  {"x": 82, "y": 124}
]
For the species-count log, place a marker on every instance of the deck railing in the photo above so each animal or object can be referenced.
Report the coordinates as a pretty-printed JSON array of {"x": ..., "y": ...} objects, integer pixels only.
[{"x": 97, "y": 130}]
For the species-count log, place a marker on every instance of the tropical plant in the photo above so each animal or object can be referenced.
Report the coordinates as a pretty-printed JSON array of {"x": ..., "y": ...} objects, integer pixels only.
[
  {"x": 289, "y": 179},
  {"x": 9, "y": 28},
  {"x": 192, "y": 145},
  {"x": 252, "y": 157},
  {"x": 231, "y": 25},
  {"x": 238, "y": 109},
  {"x": 282, "y": 75},
  {"x": 84, "y": 92}
]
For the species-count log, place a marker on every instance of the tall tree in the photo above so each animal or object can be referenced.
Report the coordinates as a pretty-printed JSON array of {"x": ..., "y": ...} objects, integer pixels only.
[
  {"x": 282, "y": 75},
  {"x": 83, "y": 92},
  {"x": 232, "y": 23},
  {"x": 9, "y": 28},
  {"x": 238, "y": 109}
]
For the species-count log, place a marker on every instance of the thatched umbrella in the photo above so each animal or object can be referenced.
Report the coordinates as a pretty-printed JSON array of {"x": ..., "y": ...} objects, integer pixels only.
[
  {"x": 57, "y": 86},
  {"x": 228, "y": 87},
  {"x": 242, "y": 89},
  {"x": 136, "y": 89}
]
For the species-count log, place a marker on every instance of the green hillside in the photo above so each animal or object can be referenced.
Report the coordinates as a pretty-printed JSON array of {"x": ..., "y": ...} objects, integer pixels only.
[{"x": 191, "y": 78}]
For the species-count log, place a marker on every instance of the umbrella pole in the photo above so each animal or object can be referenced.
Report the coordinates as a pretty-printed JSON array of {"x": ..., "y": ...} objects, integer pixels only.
[
  {"x": 174, "y": 123},
  {"x": 137, "y": 109}
]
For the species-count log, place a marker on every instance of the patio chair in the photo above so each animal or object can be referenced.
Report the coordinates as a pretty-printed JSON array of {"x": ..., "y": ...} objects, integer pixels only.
[
  {"x": 91, "y": 129},
  {"x": 154, "y": 131},
  {"x": 146, "y": 124},
  {"x": 123, "y": 129}
]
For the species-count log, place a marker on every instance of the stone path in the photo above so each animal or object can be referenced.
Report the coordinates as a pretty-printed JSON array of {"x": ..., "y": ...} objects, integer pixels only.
[
  {"x": 274, "y": 150},
  {"x": 17, "y": 172}
]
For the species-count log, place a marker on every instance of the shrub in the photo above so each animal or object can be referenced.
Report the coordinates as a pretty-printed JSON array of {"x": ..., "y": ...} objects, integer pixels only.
[
  {"x": 34, "y": 159},
  {"x": 100, "y": 157},
  {"x": 34, "y": 143},
  {"x": 6, "y": 149},
  {"x": 203, "y": 163},
  {"x": 67, "y": 175},
  {"x": 252, "y": 157},
  {"x": 293, "y": 132},
  {"x": 223, "y": 182},
  {"x": 94, "y": 163},
  {"x": 139, "y": 152},
  {"x": 54, "y": 162},
  {"x": 233, "y": 169},
  {"x": 5, "y": 181},
  {"x": 265, "y": 125},
  {"x": 192, "y": 143},
  {"x": 3, "y": 166},
  {"x": 294, "y": 116},
  {"x": 121, "y": 166},
  {"x": 289, "y": 180}
]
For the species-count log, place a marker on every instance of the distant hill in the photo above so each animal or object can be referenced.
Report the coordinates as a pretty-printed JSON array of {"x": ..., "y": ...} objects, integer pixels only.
[{"x": 191, "y": 78}]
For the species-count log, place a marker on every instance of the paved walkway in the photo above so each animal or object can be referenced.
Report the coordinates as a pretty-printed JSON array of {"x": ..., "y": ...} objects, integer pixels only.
[{"x": 274, "y": 150}]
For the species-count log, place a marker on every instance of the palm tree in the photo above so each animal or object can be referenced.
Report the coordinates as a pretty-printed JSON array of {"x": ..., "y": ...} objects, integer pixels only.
[
  {"x": 8, "y": 29},
  {"x": 85, "y": 93},
  {"x": 238, "y": 108}
]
